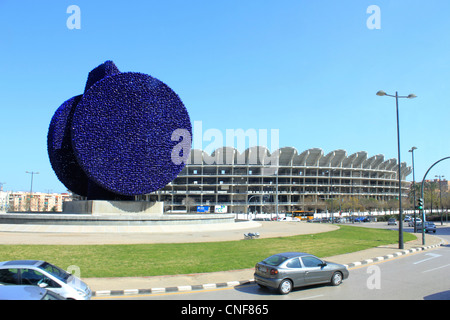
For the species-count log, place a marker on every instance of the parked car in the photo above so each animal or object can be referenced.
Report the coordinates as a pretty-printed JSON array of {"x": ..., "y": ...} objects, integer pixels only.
[
  {"x": 44, "y": 275},
  {"x": 392, "y": 222},
  {"x": 27, "y": 293},
  {"x": 295, "y": 219},
  {"x": 285, "y": 271},
  {"x": 411, "y": 222},
  {"x": 429, "y": 226}
]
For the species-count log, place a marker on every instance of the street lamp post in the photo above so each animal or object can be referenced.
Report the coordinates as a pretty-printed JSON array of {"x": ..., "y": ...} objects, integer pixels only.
[
  {"x": 414, "y": 188},
  {"x": 422, "y": 196},
  {"x": 330, "y": 190},
  {"x": 400, "y": 216}
]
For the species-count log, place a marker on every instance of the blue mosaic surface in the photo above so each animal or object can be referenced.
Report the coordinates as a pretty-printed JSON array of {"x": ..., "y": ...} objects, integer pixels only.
[
  {"x": 116, "y": 141},
  {"x": 59, "y": 147},
  {"x": 104, "y": 70}
]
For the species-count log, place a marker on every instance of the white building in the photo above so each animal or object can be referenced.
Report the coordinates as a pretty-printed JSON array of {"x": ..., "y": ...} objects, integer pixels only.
[
  {"x": 19, "y": 201},
  {"x": 257, "y": 180},
  {"x": 4, "y": 201}
]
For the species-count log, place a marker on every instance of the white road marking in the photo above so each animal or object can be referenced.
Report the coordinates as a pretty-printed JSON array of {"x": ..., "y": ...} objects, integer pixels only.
[
  {"x": 433, "y": 256},
  {"x": 436, "y": 268},
  {"x": 312, "y": 297}
]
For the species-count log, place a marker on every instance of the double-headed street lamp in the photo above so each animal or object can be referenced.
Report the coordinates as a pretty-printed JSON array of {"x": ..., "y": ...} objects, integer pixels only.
[{"x": 400, "y": 217}]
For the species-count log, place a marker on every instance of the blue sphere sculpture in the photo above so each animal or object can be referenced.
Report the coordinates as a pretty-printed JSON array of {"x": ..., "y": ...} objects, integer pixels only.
[
  {"x": 116, "y": 140},
  {"x": 60, "y": 151}
]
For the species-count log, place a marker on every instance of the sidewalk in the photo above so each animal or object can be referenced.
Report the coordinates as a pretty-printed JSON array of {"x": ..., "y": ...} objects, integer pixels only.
[{"x": 189, "y": 282}]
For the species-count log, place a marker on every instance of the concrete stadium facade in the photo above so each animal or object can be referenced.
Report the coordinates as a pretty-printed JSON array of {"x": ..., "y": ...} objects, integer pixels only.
[{"x": 254, "y": 180}]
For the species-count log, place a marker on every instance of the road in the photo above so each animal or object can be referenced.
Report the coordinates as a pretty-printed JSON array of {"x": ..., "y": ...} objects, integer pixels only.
[{"x": 422, "y": 275}]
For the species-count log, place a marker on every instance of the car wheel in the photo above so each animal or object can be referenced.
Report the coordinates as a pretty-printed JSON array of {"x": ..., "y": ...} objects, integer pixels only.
[
  {"x": 336, "y": 279},
  {"x": 285, "y": 286}
]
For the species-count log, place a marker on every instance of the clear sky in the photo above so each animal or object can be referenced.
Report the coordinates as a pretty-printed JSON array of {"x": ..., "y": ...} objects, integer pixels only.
[{"x": 309, "y": 69}]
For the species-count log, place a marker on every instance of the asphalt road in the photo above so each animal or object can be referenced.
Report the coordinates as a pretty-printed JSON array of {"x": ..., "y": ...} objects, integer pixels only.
[{"x": 422, "y": 275}]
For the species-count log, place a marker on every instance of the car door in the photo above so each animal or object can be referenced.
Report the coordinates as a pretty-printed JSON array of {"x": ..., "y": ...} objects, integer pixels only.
[
  {"x": 315, "y": 272},
  {"x": 294, "y": 271}
]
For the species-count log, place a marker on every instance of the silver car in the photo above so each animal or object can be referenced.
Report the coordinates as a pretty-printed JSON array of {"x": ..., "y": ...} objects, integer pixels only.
[
  {"x": 429, "y": 227},
  {"x": 285, "y": 271},
  {"x": 27, "y": 293},
  {"x": 392, "y": 221},
  {"x": 44, "y": 275},
  {"x": 411, "y": 222}
]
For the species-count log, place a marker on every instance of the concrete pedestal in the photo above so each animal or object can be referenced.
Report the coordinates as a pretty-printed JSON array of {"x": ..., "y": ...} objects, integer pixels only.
[{"x": 111, "y": 208}]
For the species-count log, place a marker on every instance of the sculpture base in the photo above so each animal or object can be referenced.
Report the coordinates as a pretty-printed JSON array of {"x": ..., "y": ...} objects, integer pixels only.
[
  {"x": 115, "y": 213},
  {"x": 111, "y": 208},
  {"x": 142, "y": 220}
]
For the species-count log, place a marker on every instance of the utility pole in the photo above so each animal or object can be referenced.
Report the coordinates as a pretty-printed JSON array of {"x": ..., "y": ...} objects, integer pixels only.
[{"x": 31, "y": 188}]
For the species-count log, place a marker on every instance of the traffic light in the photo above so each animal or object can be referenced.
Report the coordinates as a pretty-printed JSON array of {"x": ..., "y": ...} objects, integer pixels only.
[{"x": 420, "y": 204}]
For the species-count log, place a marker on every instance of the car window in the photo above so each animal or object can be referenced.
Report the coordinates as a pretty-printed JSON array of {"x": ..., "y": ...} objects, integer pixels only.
[
  {"x": 9, "y": 276},
  {"x": 34, "y": 277},
  {"x": 275, "y": 260},
  {"x": 55, "y": 271},
  {"x": 311, "y": 262},
  {"x": 294, "y": 263},
  {"x": 31, "y": 277}
]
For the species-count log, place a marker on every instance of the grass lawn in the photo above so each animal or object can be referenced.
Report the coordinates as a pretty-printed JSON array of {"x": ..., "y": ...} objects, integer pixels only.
[{"x": 168, "y": 259}]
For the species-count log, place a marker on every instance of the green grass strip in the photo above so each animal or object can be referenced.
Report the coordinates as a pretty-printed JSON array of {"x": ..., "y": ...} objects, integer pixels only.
[{"x": 169, "y": 259}]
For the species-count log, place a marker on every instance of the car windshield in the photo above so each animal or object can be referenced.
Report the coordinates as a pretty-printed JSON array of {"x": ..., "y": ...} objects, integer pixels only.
[
  {"x": 55, "y": 271},
  {"x": 275, "y": 260}
]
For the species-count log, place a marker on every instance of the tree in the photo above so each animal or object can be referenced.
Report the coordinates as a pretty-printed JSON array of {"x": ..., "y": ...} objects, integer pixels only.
[
  {"x": 369, "y": 204},
  {"x": 431, "y": 195},
  {"x": 351, "y": 204},
  {"x": 445, "y": 200}
]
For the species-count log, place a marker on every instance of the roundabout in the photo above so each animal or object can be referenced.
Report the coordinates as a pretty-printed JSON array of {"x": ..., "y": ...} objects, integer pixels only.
[{"x": 188, "y": 233}]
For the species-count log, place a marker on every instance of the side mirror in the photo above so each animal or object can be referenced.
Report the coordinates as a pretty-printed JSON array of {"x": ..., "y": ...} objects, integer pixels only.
[
  {"x": 323, "y": 264},
  {"x": 43, "y": 285}
]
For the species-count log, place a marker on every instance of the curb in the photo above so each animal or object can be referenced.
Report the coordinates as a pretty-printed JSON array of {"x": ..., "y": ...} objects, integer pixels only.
[
  {"x": 171, "y": 289},
  {"x": 391, "y": 256},
  {"x": 207, "y": 286}
]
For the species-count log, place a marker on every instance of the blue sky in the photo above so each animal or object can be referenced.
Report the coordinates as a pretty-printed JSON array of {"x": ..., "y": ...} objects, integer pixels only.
[{"x": 309, "y": 69}]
